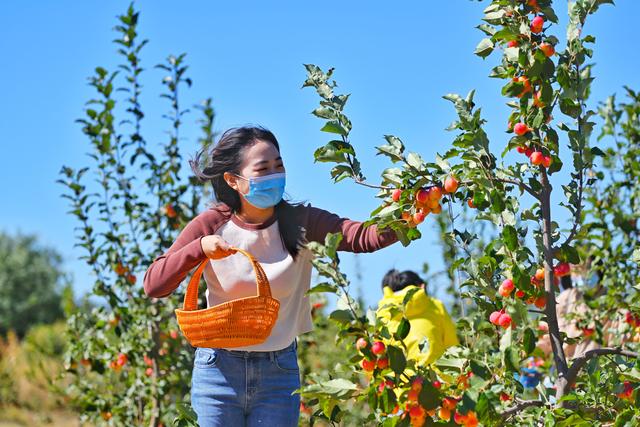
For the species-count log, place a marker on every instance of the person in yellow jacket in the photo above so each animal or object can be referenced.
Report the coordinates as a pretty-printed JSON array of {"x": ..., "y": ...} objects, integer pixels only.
[{"x": 430, "y": 322}]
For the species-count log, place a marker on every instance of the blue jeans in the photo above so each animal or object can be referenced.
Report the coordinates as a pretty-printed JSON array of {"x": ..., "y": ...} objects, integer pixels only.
[{"x": 234, "y": 388}]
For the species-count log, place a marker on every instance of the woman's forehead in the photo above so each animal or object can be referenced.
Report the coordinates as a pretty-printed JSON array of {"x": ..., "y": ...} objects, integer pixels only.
[{"x": 261, "y": 152}]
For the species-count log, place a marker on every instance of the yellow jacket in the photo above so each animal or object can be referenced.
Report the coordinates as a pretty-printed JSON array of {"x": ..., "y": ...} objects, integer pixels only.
[{"x": 428, "y": 319}]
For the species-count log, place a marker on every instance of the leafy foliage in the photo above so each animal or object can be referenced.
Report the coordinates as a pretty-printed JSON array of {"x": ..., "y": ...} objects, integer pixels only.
[
  {"x": 32, "y": 284},
  {"x": 127, "y": 362},
  {"x": 529, "y": 249}
]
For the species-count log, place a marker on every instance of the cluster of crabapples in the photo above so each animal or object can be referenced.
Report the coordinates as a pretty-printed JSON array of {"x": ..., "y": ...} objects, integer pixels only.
[
  {"x": 124, "y": 271},
  {"x": 627, "y": 391},
  {"x": 536, "y": 157},
  {"x": 119, "y": 362},
  {"x": 378, "y": 349},
  {"x": 518, "y": 124},
  {"x": 375, "y": 361},
  {"x": 426, "y": 200},
  {"x": 632, "y": 320},
  {"x": 507, "y": 288}
]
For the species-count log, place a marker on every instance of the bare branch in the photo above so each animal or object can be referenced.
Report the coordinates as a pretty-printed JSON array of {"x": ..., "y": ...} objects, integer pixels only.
[
  {"x": 519, "y": 184},
  {"x": 358, "y": 181},
  {"x": 580, "y": 361},
  {"x": 521, "y": 406}
]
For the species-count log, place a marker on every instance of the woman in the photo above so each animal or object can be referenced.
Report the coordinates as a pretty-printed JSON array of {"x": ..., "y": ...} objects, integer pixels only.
[
  {"x": 252, "y": 385},
  {"x": 432, "y": 331},
  {"x": 569, "y": 304}
]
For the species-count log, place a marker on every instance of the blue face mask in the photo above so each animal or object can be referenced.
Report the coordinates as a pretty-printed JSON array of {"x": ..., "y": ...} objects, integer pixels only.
[{"x": 265, "y": 191}]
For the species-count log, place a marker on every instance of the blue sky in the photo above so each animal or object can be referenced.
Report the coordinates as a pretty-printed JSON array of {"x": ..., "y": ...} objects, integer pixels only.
[{"x": 396, "y": 59}]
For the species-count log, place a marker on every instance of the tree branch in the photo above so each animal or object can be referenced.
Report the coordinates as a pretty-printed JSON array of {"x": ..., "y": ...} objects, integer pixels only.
[
  {"x": 578, "y": 215},
  {"x": 561, "y": 384},
  {"x": 520, "y": 407},
  {"x": 580, "y": 361},
  {"x": 360, "y": 182},
  {"x": 550, "y": 309},
  {"x": 357, "y": 176},
  {"x": 521, "y": 185}
]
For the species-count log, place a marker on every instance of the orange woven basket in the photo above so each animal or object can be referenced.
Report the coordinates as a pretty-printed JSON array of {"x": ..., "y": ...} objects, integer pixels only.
[{"x": 237, "y": 323}]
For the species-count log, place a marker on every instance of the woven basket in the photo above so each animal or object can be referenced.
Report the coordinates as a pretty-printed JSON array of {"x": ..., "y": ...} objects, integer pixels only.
[{"x": 237, "y": 323}]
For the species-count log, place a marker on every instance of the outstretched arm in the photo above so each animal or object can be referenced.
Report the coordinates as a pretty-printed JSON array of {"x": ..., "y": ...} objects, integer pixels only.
[{"x": 356, "y": 237}]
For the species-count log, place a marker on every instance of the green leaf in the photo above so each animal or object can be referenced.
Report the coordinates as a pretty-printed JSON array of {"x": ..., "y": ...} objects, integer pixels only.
[
  {"x": 415, "y": 161},
  {"x": 510, "y": 236},
  {"x": 569, "y": 254},
  {"x": 389, "y": 210},
  {"x": 450, "y": 362},
  {"x": 480, "y": 370},
  {"x": 403, "y": 329},
  {"x": 505, "y": 341},
  {"x": 570, "y": 107},
  {"x": 538, "y": 119},
  {"x": 324, "y": 113},
  {"x": 442, "y": 163},
  {"x": 469, "y": 399},
  {"x": 487, "y": 29},
  {"x": 512, "y": 54},
  {"x": 497, "y": 201},
  {"x": 338, "y": 388},
  {"x": 323, "y": 287},
  {"x": 393, "y": 176},
  {"x": 341, "y": 316},
  {"x": 429, "y": 396},
  {"x": 410, "y": 293},
  {"x": 510, "y": 359},
  {"x": 334, "y": 151},
  {"x": 395, "y": 142},
  {"x": 331, "y": 243},
  {"x": 529, "y": 340},
  {"x": 334, "y": 127},
  {"x": 396, "y": 359},
  {"x": 484, "y": 48},
  {"x": 550, "y": 14},
  {"x": 388, "y": 400},
  {"x": 394, "y": 149},
  {"x": 494, "y": 17},
  {"x": 340, "y": 172},
  {"x": 482, "y": 407}
]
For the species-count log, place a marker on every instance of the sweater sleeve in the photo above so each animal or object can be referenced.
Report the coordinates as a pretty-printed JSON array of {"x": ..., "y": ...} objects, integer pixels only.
[
  {"x": 356, "y": 237},
  {"x": 168, "y": 270}
]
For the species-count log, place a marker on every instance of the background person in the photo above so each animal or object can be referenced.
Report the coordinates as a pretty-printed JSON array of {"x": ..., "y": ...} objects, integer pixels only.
[{"x": 427, "y": 316}]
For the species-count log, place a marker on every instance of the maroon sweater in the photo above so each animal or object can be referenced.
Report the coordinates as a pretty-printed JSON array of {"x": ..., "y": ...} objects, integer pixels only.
[{"x": 168, "y": 270}]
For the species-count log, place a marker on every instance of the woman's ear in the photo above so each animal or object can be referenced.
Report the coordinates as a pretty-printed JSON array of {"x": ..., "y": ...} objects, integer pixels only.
[{"x": 231, "y": 180}]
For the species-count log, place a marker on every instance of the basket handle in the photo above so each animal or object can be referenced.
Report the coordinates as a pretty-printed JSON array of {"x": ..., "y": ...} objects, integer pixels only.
[{"x": 262, "y": 282}]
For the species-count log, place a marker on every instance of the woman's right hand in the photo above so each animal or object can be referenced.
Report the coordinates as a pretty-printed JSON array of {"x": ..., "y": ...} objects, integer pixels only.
[{"x": 215, "y": 247}]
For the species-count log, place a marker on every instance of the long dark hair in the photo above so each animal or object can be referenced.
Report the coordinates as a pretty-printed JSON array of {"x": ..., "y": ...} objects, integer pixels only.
[
  {"x": 210, "y": 164},
  {"x": 398, "y": 280}
]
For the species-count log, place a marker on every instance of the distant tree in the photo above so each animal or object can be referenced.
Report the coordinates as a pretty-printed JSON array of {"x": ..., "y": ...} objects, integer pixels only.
[{"x": 31, "y": 283}]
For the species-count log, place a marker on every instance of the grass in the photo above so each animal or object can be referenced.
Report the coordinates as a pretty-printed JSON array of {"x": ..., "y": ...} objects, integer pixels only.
[{"x": 28, "y": 368}]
